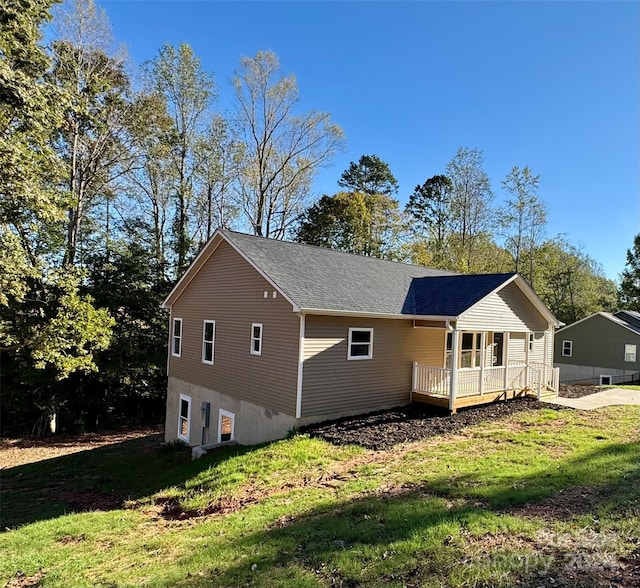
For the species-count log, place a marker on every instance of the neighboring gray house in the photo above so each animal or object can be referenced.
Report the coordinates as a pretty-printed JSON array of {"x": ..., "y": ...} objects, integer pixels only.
[
  {"x": 599, "y": 349},
  {"x": 267, "y": 335}
]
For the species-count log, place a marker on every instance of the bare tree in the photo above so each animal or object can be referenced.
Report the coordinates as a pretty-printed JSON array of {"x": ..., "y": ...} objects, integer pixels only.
[
  {"x": 220, "y": 157},
  {"x": 91, "y": 140},
  {"x": 177, "y": 75},
  {"x": 282, "y": 150},
  {"x": 523, "y": 218},
  {"x": 470, "y": 202}
]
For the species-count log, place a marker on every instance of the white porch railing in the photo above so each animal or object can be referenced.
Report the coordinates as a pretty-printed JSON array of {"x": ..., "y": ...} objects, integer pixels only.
[{"x": 478, "y": 381}]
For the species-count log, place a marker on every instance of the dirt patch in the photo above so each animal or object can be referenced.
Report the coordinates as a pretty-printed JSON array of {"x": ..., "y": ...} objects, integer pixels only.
[
  {"x": 582, "y": 558},
  {"x": 383, "y": 430},
  {"x": 84, "y": 501},
  {"x": 16, "y": 452},
  {"x": 563, "y": 505},
  {"x": 21, "y": 580}
]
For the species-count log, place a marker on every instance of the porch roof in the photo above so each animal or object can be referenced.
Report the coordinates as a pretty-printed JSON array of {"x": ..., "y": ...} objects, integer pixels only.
[{"x": 450, "y": 295}]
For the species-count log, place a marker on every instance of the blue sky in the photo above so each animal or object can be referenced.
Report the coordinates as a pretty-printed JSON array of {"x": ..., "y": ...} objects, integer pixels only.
[{"x": 551, "y": 85}]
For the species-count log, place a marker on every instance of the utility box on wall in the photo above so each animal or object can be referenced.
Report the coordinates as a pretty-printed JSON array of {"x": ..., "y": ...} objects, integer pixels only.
[{"x": 205, "y": 408}]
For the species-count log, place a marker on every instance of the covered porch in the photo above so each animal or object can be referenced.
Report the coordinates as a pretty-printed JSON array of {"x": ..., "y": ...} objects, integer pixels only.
[
  {"x": 484, "y": 366},
  {"x": 471, "y": 386}
]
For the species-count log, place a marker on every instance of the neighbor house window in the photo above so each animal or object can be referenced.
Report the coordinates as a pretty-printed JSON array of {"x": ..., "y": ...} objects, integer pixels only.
[
  {"x": 184, "y": 417},
  {"x": 630, "y": 353},
  {"x": 226, "y": 425},
  {"x": 256, "y": 339},
  {"x": 606, "y": 380},
  {"x": 176, "y": 344},
  {"x": 360, "y": 344},
  {"x": 208, "y": 337},
  {"x": 567, "y": 348}
]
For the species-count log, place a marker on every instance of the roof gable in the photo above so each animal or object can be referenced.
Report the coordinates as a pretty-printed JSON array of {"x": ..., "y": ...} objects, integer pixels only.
[
  {"x": 625, "y": 319},
  {"x": 451, "y": 295}
]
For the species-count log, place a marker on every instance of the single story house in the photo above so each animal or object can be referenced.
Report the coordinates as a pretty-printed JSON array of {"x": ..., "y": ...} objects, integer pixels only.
[
  {"x": 599, "y": 349},
  {"x": 266, "y": 336}
]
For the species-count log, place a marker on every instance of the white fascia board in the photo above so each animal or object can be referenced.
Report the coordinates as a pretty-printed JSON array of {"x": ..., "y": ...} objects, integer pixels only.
[{"x": 357, "y": 314}]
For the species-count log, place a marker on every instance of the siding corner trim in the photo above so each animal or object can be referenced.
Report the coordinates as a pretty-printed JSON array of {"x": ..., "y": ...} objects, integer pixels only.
[{"x": 300, "y": 368}]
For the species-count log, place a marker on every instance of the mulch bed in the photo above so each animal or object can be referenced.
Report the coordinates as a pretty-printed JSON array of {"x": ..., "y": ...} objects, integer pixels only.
[
  {"x": 384, "y": 429},
  {"x": 578, "y": 390}
]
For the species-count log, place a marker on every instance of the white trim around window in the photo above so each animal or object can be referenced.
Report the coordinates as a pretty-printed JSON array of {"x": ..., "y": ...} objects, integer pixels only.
[
  {"x": 208, "y": 341},
  {"x": 256, "y": 339},
  {"x": 184, "y": 417},
  {"x": 176, "y": 338},
  {"x": 629, "y": 352},
  {"x": 567, "y": 348},
  {"x": 606, "y": 380},
  {"x": 360, "y": 343},
  {"x": 226, "y": 426}
]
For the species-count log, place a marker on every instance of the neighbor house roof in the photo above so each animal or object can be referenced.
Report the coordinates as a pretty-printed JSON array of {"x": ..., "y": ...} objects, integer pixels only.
[
  {"x": 316, "y": 279},
  {"x": 627, "y": 319}
]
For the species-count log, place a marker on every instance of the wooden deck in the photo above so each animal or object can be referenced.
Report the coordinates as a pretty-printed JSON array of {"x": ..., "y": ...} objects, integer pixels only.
[{"x": 474, "y": 400}]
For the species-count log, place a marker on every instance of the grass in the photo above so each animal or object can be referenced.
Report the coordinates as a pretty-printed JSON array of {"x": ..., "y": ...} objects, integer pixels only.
[{"x": 497, "y": 504}]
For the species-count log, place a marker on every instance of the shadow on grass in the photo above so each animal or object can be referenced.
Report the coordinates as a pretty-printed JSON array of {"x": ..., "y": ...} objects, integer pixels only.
[
  {"x": 101, "y": 478},
  {"x": 421, "y": 534}
]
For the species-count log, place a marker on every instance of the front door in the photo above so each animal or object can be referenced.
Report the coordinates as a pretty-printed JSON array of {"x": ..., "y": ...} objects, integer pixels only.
[{"x": 498, "y": 349}]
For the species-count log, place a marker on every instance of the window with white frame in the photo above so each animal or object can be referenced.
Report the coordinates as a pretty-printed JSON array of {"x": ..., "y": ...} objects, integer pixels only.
[
  {"x": 567, "y": 348},
  {"x": 208, "y": 338},
  {"x": 226, "y": 426},
  {"x": 360, "y": 343},
  {"x": 531, "y": 340},
  {"x": 606, "y": 380},
  {"x": 176, "y": 337},
  {"x": 184, "y": 417},
  {"x": 630, "y": 352},
  {"x": 256, "y": 339}
]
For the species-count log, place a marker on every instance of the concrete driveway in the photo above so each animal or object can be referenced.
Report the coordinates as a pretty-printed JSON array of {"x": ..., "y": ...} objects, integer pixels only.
[{"x": 608, "y": 397}]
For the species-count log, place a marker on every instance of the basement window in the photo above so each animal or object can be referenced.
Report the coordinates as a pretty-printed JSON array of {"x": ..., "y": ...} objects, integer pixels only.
[
  {"x": 226, "y": 426},
  {"x": 360, "y": 344},
  {"x": 184, "y": 417}
]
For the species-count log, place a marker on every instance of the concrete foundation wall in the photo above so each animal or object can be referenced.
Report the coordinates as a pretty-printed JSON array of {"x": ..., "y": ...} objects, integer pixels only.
[
  {"x": 587, "y": 374},
  {"x": 252, "y": 423}
]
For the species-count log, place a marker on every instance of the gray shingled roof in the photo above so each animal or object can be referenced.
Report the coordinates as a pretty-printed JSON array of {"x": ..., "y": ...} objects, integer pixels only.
[
  {"x": 626, "y": 318},
  {"x": 322, "y": 279}
]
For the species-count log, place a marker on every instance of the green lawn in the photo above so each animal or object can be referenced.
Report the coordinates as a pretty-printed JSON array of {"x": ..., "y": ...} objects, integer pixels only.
[{"x": 536, "y": 496}]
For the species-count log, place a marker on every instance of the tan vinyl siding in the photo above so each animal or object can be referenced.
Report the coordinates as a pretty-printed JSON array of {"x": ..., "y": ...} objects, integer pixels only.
[
  {"x": 335, "y": 385},
  {"x": 231, "y": 292},
  {"x": 506, "y": 310}
]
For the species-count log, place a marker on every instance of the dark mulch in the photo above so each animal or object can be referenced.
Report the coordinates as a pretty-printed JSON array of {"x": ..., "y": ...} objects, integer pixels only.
[
  {"x": 578, "y": 390},
  {"x": 414, "y": 422}
]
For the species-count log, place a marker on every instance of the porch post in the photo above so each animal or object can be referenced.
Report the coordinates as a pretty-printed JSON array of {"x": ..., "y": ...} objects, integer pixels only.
[
  {"x": 526, "y": 360},
  {"x": 544, "y": 359},
  {"x": 505, "y": 344},
  {"x": 454, "y": 370},
  {"x": 483, "y": 351}
]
